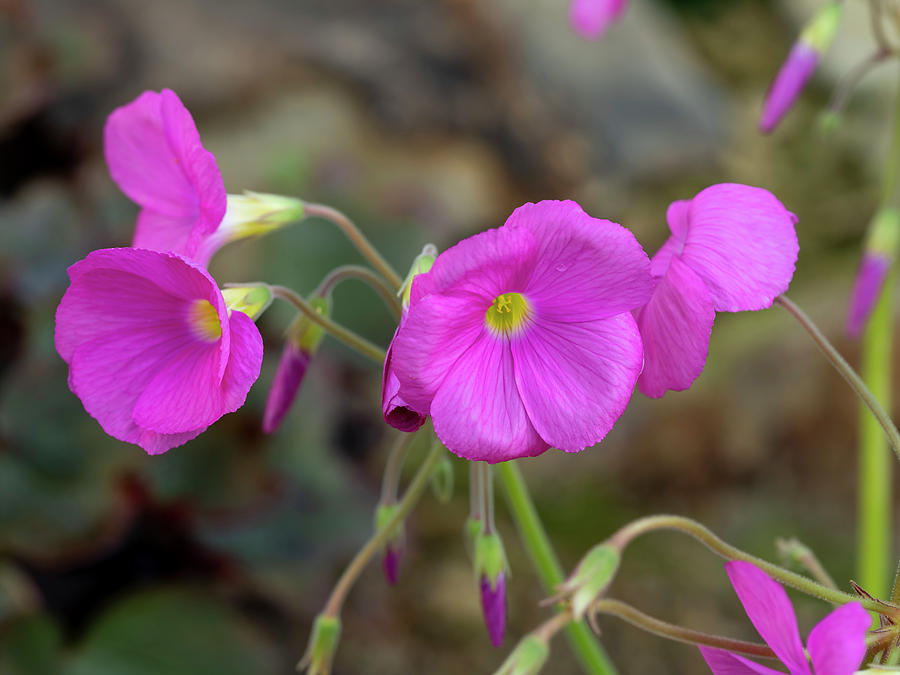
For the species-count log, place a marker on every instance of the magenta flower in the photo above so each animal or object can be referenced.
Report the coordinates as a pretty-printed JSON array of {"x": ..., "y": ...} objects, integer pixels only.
[
  {"x": 521, "y": 338},
  {"x": 836, "y": 645},
  {"x": 733, "y": 248},
  {"x": 155, "y": 156},
  {"x": 800, "y": 64},
  {"x": 394, "y": 408},
  {"x": 591, "y": 18},
  {"x": 153, "y": 353}
]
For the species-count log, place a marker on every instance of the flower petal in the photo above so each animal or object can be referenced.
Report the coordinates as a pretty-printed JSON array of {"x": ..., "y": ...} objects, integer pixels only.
[
  {"x": 584, "y": 268},
  {"x": 576, "y": 378},
  {"x": 675, "y": 326},
  {"x": 477, "y": 411},
  {"x": 725, "y": 663},
  {"x": 743, "y": 244},
  {"x": 837, "y": 645},
  {"x": 771, "y": 613},
  {"x": 244, "y": 361},
  {"x": 394, "y": 408}
]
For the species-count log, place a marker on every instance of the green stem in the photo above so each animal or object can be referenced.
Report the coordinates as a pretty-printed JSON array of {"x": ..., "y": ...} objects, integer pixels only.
[
  {"x": 587, "y": 649},
  {"x": 390, "y": 482},
  {"x": 363, "y": 245},
  {"x": 345, "y": 335},
  {"x": 846, "y": 371},
  {"x": 375, "y": 544},
  {"x": 874, "y": 543},
  {"x": 367, "y": 276},
  {"x": 692, "y": 528}
]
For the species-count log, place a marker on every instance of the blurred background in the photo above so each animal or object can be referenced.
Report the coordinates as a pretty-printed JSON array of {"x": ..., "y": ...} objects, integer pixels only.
[{"x": 425, "y": 121}]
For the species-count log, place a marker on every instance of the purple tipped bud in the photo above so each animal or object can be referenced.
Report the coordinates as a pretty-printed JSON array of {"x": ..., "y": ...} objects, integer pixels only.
[
  {"x": 796, "y": 70},
  {"x": 800, "y": 64},
  {"x": 391, "y": 563},
  {"x": 493, "y": 605},
  {"x": 870, "y": 278},
  {"x": 591, "y": 18},
  {"x": 288, "y": 378}
]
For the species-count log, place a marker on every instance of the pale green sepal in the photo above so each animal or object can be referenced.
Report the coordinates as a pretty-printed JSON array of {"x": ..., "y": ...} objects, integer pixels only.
[
  {"x": 322, "y": 645},
  {"x": 383, "y": 515},
  {"x": 307, "y": 335},
  {"x": 471, "y": 531},
  {"x": 250, "y": 300},
  {"x": 884, "y": 233},
  {"x": 420, "y": 265},
  {"x": 490, "y": 558},
  {"x": 820, "y": 32},
  {"x": 442, "y": 480},
  {"x": 527, "y": 658},
  {"x": 592, "y": 577},
  {"x": 254, "y": 213}
]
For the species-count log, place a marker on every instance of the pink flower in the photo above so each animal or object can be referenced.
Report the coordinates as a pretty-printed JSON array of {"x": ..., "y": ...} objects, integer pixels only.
[
  {"x": 155, "y": 156},
  {"x": 733, "y": 248},
  {"x": 153, "y": 353},
  {"x": 521, "y": 338},
  {"x": 394, "y": 408},
  {"x": 590, "y": 18},
  {"x": 836, "y": 645}
]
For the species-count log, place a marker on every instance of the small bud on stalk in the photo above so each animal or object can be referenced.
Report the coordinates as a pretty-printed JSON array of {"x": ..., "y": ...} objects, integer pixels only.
[
  {"x": 393, "y": 548},
  {"x": 527, "y": 658},
  {"x": 878, "y": 256},
  {"x": 491, "y": 572},
  {"x": 322, "y": 645},
  {"x": 591, "y": 578}
]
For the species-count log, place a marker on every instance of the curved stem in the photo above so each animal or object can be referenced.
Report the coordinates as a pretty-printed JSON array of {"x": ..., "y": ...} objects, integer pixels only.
[
  {"x": 846, "y": 371},
  {"x": 553, "y": 625},
  {"x": 854, "y": 76},
  {"x": 642, "y": 526},
  {"x": 587, "y": 649},
  {"x": 359, "y": 240},
  {"x": 667, "y": 630},
  {"x": 377, "y": 541},
  {"x": 364, "y": 274},
  {"x": 390, "y": 482},
  {"x": 345, "y": 335}
]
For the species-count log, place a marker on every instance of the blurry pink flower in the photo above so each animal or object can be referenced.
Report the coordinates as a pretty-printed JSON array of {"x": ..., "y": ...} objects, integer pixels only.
[
  {"x": 733, "y": 248},
  {"x": 590, "y": 18},
  {"x": 878, "y": 256},
  {"x": 155, "y": 156},
  {"x": 836, "y": 645},
  {"x": 800, "y": 64},
  {"x": 153, "y": 353},
  {"x": 521, "y": 338}
]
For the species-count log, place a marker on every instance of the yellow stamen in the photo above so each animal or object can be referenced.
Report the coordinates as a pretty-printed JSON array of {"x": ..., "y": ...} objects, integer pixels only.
[
  {"x": 204, "y": 321},
  {"x": 508, "y": 313}
]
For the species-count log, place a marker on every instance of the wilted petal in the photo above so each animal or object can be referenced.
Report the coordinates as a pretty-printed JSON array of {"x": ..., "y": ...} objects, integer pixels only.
[
  {"x": 725, "y": 663},
  {"x": 771, "y": 613},
  {"x": 837, "y": 644},
  {"x": 741, "y": 241},
  {"x": 675, "y": 326}
]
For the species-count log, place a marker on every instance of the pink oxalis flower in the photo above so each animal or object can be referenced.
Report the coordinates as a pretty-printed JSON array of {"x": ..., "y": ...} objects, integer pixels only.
[
  {"x": 155, "y": 156},
  {"x": 836, "y": 645},
  {"x": 591, "y": 18},
  {"x": 521, "y": 338},
  {"x": 733, "y": 248},
  {"x": 153, "y": 352}
]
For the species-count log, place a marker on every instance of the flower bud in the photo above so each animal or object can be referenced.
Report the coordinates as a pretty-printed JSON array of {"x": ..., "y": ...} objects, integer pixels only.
[
  {"x": 421, "y": 265},
  {"x": 491, "y": 571},
  {"x": 527, "y": 658},
  {"x": 251, "y": 300},
  {"x": 800, "y": 64},
  {"x": 302, "y": 341},
  {"x": 322, "y": 645},
  {"x": 393, "y": 548},
  {"x": 591, "y": 577},
  {"x": 878, "y": 256}
]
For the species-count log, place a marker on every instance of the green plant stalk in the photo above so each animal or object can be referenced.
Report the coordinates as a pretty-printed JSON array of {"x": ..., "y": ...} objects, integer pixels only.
[
  {"x": 587, "y": 649},
  {"x": 874, "y": 543}
]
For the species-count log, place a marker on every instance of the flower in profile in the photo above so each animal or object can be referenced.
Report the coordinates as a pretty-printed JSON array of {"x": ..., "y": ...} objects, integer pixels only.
[
  {"x": 878, "y": 256},
  {"x": 591, "y": 18},
  {"x": 836, "y": 645},
  {"x": 155, "y": 156},
  {"x": 733, "y": 248},
  {"x": 800, "y": 64},
  {"x": 154, "y": 353},
  {"x": 302, "y": 341},
  {"x": 521, "y": 338}
]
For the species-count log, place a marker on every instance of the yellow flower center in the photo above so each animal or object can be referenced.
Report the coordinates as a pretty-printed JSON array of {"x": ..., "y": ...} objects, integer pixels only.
[
  {"x": 508, "y": 313},
  {"x": 204, "y": 320}
]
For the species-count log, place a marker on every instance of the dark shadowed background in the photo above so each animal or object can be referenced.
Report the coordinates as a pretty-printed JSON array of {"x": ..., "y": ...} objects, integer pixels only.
[{"x": 425, "y": 121}]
